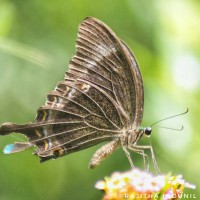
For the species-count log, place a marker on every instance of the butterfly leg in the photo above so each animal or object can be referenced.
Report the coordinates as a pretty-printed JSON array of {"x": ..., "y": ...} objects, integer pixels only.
[
  {"x": 128, "y": 156},
  {"x": 103, "y": 153},
  {"x": 145, "y": 157},
  {"x": 149, "y": 147}
]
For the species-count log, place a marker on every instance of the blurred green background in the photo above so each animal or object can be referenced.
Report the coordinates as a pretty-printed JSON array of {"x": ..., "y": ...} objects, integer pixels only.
[{"x": 37, "y": 39}]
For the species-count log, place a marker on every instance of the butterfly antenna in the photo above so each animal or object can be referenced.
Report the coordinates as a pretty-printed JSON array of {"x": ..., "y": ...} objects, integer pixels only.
[
  {"x": 174, "y": 129},
  {"x": 170, "y": 117}
]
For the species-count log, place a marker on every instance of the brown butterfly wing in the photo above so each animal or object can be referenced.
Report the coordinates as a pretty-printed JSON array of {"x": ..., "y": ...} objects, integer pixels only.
[{"x": 102, "y": 94}]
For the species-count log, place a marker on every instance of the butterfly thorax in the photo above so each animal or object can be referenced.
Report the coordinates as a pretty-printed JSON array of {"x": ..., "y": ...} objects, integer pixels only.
[{"x": 134, "y": 135}]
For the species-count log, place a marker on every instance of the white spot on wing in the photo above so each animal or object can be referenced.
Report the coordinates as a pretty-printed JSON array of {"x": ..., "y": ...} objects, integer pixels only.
[
  {"x": 50, "y": 143},
  {"x": 60, "y": 102},
  {"x": 85, "y": 87},
  {"x": 103, "y": 51},
  {"x": 45, "y": 132},
  {"x": 70, "y": 94}
]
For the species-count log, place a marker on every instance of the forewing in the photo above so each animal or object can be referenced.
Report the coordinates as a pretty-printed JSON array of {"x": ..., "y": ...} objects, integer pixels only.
[
  {"x": 102, "y": 94},
  {"x": 104, "y": 60}
]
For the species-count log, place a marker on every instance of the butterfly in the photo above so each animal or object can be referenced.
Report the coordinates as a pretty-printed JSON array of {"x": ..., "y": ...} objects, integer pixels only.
[{"x": 101, "y": 99}]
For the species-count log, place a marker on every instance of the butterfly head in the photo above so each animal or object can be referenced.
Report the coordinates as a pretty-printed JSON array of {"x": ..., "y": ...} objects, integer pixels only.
[
  {"x": 147, "y": 131},
  {"x": 136, "y": 135}
]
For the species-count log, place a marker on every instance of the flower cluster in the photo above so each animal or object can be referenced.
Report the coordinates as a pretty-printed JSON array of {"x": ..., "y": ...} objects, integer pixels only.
[{"x": 136, "y": 184}]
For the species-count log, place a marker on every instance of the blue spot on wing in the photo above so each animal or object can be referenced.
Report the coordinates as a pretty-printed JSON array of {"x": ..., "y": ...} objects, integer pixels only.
[{"x": 8, "y": 149}]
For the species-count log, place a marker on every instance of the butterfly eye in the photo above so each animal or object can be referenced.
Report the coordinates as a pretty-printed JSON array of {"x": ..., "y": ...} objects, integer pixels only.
[{"x": 147, "y": 131}]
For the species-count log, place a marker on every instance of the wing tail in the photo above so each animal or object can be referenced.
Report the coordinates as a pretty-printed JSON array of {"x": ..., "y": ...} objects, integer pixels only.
[
  {"x": 8, "y": 128},
  {"x": 16, "y": 147}
]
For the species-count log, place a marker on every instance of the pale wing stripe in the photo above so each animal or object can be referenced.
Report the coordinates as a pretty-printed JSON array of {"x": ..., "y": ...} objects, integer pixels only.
[
  {"x": 86, "y": 65},
  {"x": 94, "y": 58},
  {"x": 94, "y": 48},
  {"x": 90, "y": 61},
  {"x": 95, "y": 42},
  {"x": 86, "y": 60},
  {"x": 82, "y": 48}
]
